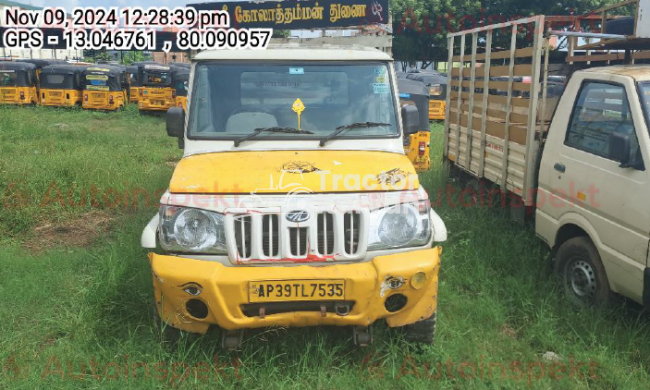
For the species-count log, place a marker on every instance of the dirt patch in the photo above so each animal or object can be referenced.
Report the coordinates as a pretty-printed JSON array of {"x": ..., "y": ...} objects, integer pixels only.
[
  {"x": 508, "y": 331},
  {"x": 80, "y": 231},
  {"x": 171, "y": 162}
]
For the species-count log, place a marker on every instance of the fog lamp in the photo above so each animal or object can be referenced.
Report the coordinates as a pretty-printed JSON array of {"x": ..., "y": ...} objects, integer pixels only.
[{"x": 418, "y": 280}]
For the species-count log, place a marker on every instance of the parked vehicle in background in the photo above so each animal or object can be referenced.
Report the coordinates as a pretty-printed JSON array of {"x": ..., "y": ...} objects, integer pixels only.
[
  {"x": 181, "y": 83},
  {"x": 61, "y": 85},
  {"x": 156, "y": 91},
  {"x": 256, "y": 228},
  {"x": 105, "y": 87},
  {"x": 180, "y": 65},
  {"x": 132, "y": 71},
  {"x": 576, "y": 156},
  {"x": 18, "y": 83},
  {"x": 417, "y": 144},
  {"x": 135, "y": 79},
  {"x": 40, "y": 64},
  {"x": 437, "y": 85}
]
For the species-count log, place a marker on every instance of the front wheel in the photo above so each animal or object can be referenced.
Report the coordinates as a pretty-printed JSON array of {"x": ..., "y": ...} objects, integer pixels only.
[
  {"x": 582, "y": 273},
  {"x": 422, "y": 332}
]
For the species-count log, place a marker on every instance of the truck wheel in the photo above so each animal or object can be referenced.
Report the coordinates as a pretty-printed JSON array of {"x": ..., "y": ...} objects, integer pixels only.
[
  {"x": 582, "y": 273},
  {"x": 422, "y": 332}
]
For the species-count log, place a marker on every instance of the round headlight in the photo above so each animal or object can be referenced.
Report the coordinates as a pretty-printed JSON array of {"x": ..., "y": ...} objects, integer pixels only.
[
  {"x": 195, "y": 230},
  {"x": 398, "y": 226}
]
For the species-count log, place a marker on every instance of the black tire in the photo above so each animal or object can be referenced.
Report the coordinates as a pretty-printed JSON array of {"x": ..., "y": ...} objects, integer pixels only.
[
  {"x": 422, "y": 332},
  {"x": 621, "y": 26},
  {"x": 582, "y": 273}
]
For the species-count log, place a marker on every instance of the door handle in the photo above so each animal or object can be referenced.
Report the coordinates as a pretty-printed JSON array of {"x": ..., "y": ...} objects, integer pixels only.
[{"x": 560, "y": 167}]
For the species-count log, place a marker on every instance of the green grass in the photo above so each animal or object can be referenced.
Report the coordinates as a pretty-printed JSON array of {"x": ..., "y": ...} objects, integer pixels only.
[{"x": 66, "y": 309}]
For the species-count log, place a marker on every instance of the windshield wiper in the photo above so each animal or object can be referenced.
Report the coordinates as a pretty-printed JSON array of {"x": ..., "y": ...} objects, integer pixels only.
[
  {"x": 358, "y": 125},
  {"x": 276, "y": 129}
]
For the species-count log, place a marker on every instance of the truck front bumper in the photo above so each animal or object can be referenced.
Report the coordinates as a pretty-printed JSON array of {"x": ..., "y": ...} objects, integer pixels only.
[{"x": 181, "y": 285}]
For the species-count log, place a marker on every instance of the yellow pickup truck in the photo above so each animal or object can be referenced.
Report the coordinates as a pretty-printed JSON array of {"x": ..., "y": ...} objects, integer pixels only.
[{"x": 294, "y": 203}]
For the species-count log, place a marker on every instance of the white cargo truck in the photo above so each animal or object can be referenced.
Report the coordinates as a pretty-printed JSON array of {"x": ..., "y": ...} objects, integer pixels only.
[{"x": 576, "y": 158}]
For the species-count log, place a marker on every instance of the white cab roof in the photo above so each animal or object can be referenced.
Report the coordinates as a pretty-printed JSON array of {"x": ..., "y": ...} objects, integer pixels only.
[
  {"x": 298, "y": 52},
  {"x": 637, "y": 72}
]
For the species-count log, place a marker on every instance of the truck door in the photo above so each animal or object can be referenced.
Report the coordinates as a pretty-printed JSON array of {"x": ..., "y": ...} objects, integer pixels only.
[{"x": 589, "y": 184}]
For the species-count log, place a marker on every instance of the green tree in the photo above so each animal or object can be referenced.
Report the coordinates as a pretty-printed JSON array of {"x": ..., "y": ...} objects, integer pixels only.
[
  {"x": 134, "y": 56},
  {"x": 420, "y": 27}
]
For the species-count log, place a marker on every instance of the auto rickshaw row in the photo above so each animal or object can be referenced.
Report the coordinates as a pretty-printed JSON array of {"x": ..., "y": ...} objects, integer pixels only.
[{"x": 152, "y": 86}]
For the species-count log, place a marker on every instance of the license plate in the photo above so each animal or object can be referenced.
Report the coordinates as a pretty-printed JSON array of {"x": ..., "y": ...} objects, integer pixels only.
[
  {"x": 98, "y": 95},
  {"x": 7, "y": 92},
  {"x": 296, "y": 290},
  {"x": 55, "y": 93}
]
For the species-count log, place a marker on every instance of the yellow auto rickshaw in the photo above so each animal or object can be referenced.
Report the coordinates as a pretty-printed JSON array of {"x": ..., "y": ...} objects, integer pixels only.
[
  {"x": 105, "y": 87},
  {"x": 437, "y": 84},
  {"x": 181, "y": 81},
  {"x": 18, "y": 83},
  {"x": 132, "y": 71},
  {"x": 417, "y": 145},
  {"x": 156, "y": 92},
  {"x": 40, "y": 63},
  {"x": 61, "y": 85}
]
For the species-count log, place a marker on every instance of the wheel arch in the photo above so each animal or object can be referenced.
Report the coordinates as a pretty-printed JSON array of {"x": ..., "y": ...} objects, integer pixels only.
[{"x": 574, "y": 225}]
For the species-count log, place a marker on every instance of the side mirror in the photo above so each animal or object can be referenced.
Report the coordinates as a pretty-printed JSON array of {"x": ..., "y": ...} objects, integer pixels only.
[
  {"x": 410, "y": 119},
  {"x": 175, "y": 122},
  {"x": 620, "y": 148}
]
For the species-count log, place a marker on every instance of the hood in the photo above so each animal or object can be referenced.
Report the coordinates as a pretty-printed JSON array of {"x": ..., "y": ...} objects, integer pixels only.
[{"x": 282, "y": 172}]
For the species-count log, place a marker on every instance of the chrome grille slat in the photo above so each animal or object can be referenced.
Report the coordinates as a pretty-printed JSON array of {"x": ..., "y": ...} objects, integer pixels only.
[
  {"x": 270, "y": 235},
  {"x": 351, "y": 238},
  {"x": 242, "y": 235},
  {"x": 298, "y": 239},
  {"x": 351, "y": 225},
  {"x": 325, "y": 235}
]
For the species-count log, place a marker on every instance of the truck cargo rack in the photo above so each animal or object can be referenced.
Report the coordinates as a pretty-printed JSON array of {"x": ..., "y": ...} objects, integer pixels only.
[
  {"x": 483, "y": 112},
  {"x": 501, "y": 99}
]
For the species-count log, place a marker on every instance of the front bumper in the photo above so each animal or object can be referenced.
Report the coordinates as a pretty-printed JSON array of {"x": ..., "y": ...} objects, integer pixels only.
[{"x": 224, "y": 290}]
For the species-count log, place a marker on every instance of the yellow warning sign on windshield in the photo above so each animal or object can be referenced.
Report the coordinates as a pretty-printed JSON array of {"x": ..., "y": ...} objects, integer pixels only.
[{"x": 298, "y": 107}]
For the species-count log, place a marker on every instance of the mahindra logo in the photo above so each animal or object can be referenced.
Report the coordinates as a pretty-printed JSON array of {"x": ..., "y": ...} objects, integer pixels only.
[{"x": 297, "y": 216}]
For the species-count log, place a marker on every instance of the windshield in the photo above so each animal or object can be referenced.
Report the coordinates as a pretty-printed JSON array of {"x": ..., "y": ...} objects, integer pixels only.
[
  {"x": 8, "y": 78},
  {"x": 157, "y": 78},
  {"x": 645, "y": 98},
  {"x": 57, "y": 81},
  {"x": 234, "y": 99}
]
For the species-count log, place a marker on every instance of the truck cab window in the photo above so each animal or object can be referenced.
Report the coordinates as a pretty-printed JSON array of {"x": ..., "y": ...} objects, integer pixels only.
[{"x": 601, "y": 110}]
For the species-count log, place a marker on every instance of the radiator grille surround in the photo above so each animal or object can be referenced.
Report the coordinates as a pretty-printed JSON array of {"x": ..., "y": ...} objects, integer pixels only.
[{"x": 267, "y": 235}]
